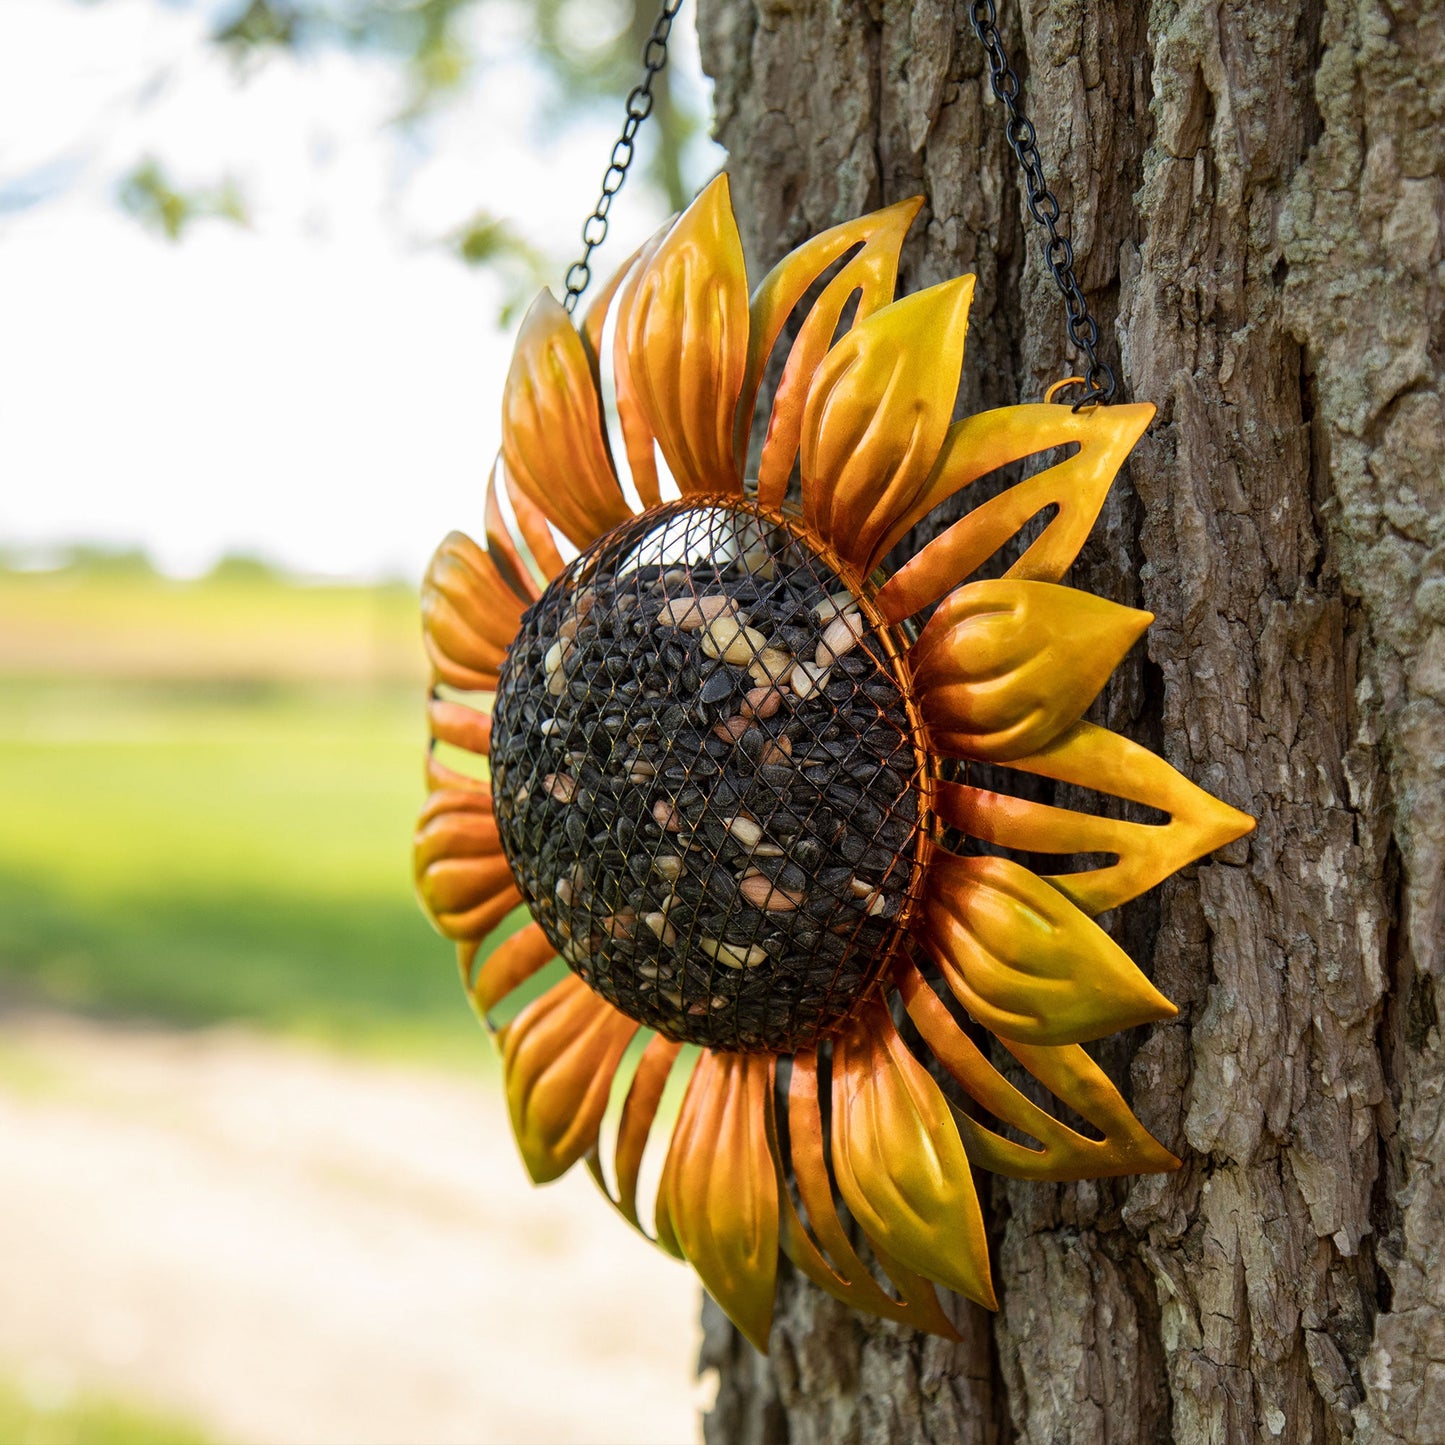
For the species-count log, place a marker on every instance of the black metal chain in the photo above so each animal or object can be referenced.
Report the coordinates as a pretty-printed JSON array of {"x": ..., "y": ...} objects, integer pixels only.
[
  {"x": 1043, "y": 204},
  {"x": 639, "y": 107}
]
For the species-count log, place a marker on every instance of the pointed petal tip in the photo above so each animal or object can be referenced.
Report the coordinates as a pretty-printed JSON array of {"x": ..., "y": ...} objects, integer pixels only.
[
  {"x": 541, "y": 1168},
  {"x": 755, "y": 1326},
  {"x": 719, "y": 189},
  {"x": 1130, "y": 419},
  {"x": 1028, "y": 964},
  {"x": 544, "y": 305},
  {"x": 1149, "y": 1156},
  {"x": 1006, "y": 666},
  {"x": 957, "y": 293},
  {"x": 719, "y": 1190},
  {"x": 900, "y": 1163},
  {"x": 685, "y": 344},
  {"x": 1136, "y": 621}
]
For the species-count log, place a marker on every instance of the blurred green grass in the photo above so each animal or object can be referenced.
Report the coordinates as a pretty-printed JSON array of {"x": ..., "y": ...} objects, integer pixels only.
[
  {"x": 207, "y": 843},
  {"x": 87, "y": 1420}
]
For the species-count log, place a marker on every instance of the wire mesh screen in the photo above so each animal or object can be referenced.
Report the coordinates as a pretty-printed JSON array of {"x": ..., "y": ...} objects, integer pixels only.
[{"x": 704, "y": 778}]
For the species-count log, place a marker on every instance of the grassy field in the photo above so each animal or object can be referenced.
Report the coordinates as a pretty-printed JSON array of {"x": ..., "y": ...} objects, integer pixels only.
[
  {"x": 242, "y": 624},
  {"x": 224, "y": 845},
  {"x": 87, "y": 1420}
]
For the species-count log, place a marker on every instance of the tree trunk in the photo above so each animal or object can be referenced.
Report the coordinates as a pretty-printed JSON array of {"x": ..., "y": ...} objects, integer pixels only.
[{"x": 1254, "y": 195}]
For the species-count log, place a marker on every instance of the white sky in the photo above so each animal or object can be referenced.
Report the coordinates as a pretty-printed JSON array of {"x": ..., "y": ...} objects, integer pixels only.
[{"x": 322, "y": 387}]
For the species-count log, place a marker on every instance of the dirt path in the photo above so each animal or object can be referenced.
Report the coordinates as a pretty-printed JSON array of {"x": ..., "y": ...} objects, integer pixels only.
[{"x": 291, "y": 1248}]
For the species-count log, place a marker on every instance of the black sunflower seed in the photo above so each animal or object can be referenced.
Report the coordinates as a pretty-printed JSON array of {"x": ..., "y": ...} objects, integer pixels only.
[{"x": 724, "y": 877}]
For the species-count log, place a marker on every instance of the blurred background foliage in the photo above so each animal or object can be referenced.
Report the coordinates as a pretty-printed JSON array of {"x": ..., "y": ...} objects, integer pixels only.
[
  {"x": 209, "y": 784},
  {"x": 265, "y": 240},
  {"x": 589, "y": 52}
]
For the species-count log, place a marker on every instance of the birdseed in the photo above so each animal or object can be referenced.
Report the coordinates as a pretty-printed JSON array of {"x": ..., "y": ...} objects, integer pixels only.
[{"x": 705, "y": 779}]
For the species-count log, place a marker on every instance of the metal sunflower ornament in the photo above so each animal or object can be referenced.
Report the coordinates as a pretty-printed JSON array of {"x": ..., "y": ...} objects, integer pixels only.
[{"x": 733, "y": 773}]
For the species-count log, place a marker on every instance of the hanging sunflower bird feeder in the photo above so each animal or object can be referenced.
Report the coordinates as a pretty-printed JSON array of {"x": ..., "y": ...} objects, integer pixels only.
[{"x": 730, "y": 773}]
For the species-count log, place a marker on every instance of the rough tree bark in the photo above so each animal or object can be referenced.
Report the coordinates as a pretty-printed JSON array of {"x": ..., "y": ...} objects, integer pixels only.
[{"x": 1254, "y": 191}]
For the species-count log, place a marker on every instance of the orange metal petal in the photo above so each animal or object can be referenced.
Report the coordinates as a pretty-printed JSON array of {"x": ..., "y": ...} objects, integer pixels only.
[
  {"x": 595, "y": 321},
  {"x": 876, "y": 415},
  {"x": 1004, "y": 667},
  {"x": 475, "y": 923},
  {"x": 644, "y": 1095},
  {"x": 455, "y": 885},
  {"x": 466, "y": 812},
  {"x": 719, "y": 1192},
  {"x": 502, "y": 546},
  {"x": 442, "y": 779},
  {"x": 900, "y": 1163},
  {"x": 1094, "y": 757},
  {"x": 842, "y": 1273},
  {"x": 870, "y": 274},
  {"x": 666, "y": 1234},
  {"x": 462, "y": 726},
  {"x": 536, "y": 531},
  {"x": 469, "y": 614},
  {"x": 552, "y": 435},
  {"x": 1126, "y": 1148},
  {"x": 558, "y": 1058},
  {"x": 981, "y": 444},
  {"x": 1024, "y": 961},
  {"x": 462, "y": 878},
  {"x": 686, "y": 337},
  {"x": 637, "y": 436},
  {"x": 510, "y": 965}
]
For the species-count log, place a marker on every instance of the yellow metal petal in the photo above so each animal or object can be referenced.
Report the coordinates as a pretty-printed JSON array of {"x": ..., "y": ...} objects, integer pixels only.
[
  {"x": 511, "y": 964},
  {"x": 1024, "y": 961},
  {"x": 687, "y": 343},
  {"x": 981, "y": 444},
  {"x": 870, "y": 275},
  {"x": 1004, "y": 667},
  {"x": 719, "y": 1192},
  {"x": 876, "y": 415},
  {"x": 558, "y": 1058},
  {"x": 552, "y": 436},
  {"x": 463, "y": 880},
  {"x": 900, "y": 1164},
  {"x": 1126, "y": 1148},
  {"x": 469, "y": 614},
  {"x": 1094, "y": 757},
  {"x": 841, "y": 1273}
]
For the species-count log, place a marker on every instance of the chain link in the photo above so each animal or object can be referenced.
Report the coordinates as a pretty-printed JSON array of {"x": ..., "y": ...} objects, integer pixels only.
[
  {"x": 1099, "y": 382},
  {"x": 639, "y": 107},
  {"x": 1043, "y": 204}
]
